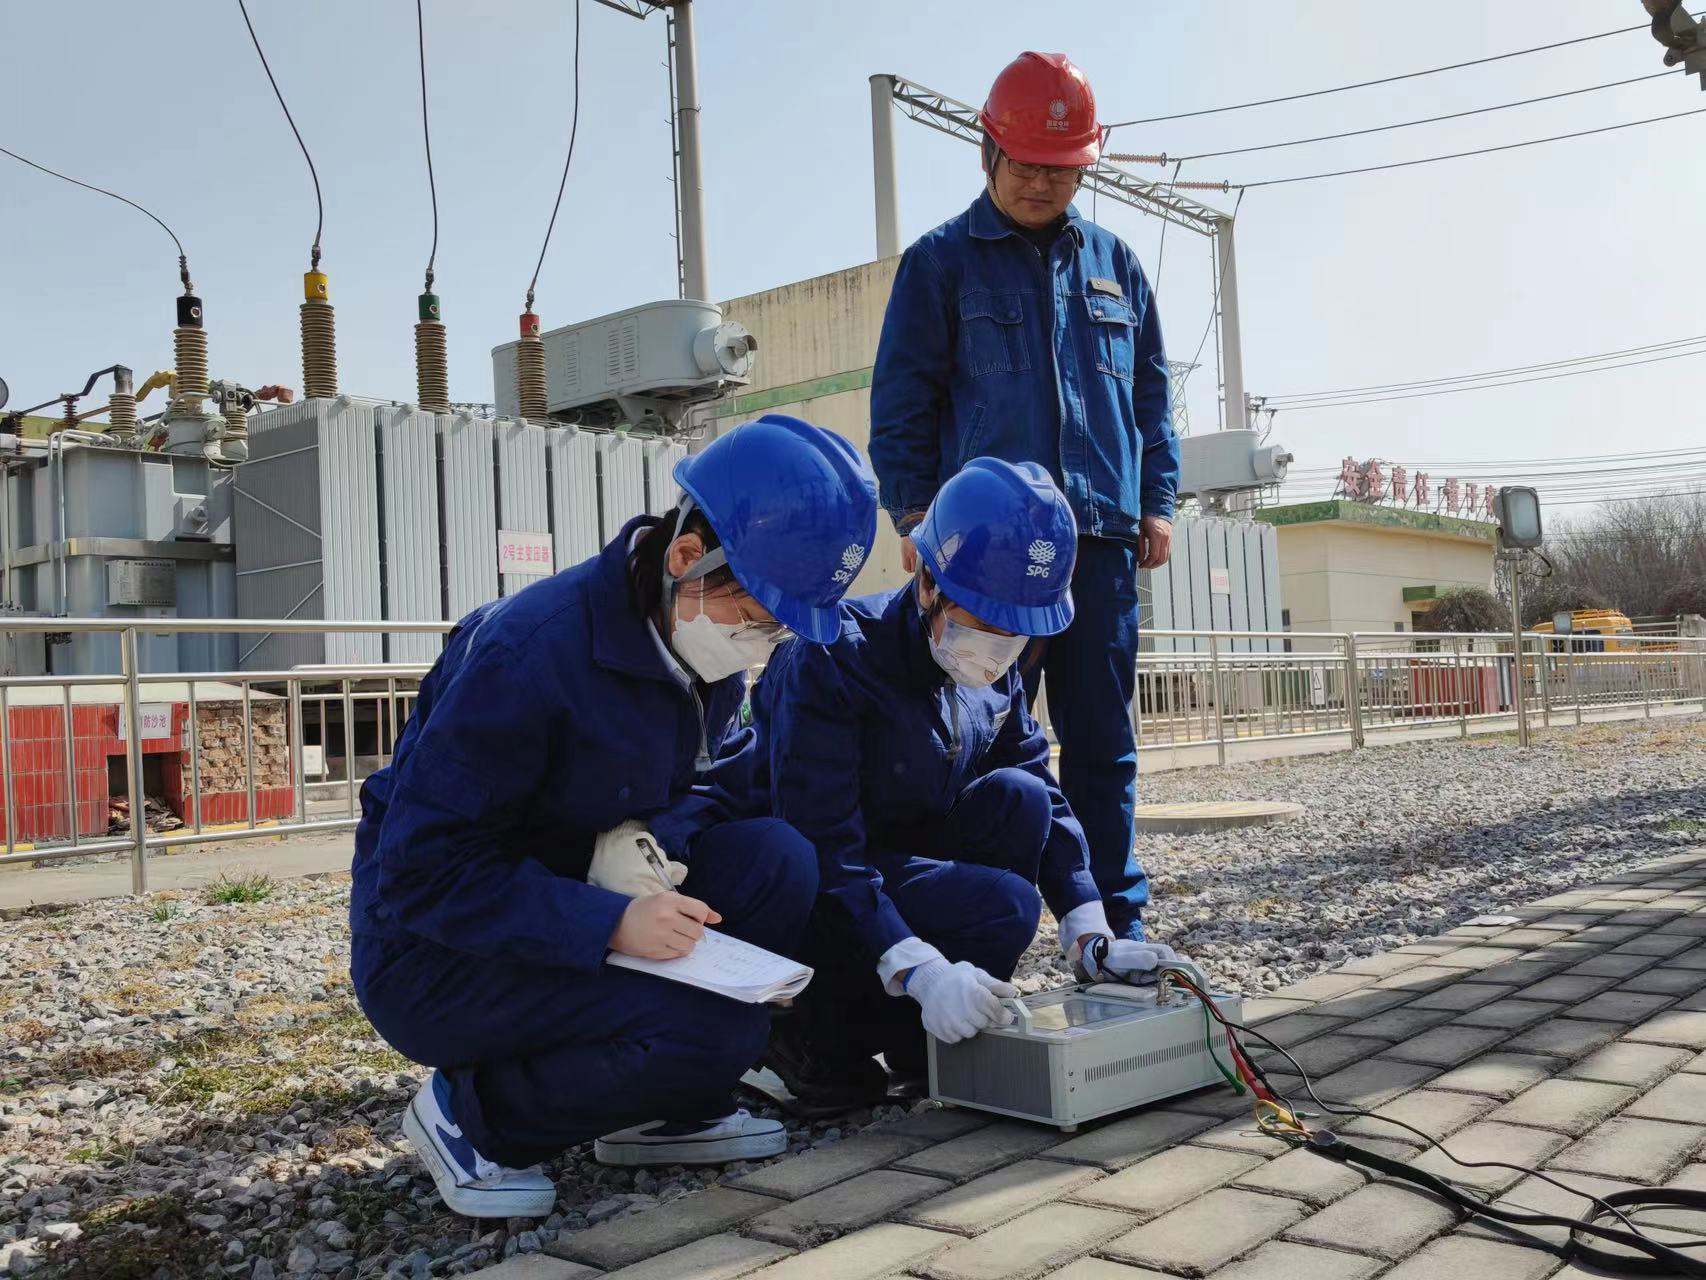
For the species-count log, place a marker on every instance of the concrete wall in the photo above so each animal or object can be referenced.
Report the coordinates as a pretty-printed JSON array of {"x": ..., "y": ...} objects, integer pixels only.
[
  {"x": 1339, "y": 577},
  {"x": 817, "y": 340}
]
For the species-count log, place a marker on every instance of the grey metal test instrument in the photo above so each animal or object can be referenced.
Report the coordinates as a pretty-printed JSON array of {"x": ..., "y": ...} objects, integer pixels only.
[{"x": 1081, "y": 1052}]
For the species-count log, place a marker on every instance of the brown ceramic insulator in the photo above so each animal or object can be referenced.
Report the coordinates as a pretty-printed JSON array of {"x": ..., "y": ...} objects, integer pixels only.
[
  {"x": 189, "y": 347},
  {"x": 122, "y": 410},
  {"x": 530, "y": 379},
  {"x": 432, "y": 367},
  {"x": 319, "y": 351}
]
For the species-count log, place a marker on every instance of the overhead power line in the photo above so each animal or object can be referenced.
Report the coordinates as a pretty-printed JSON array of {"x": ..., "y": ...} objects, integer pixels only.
[
  {"x": 1631, "y": 497},
  {"x": 319, "y": 204},
  {"x": 1460, "y": 155},
  {"x": 574, "y": 128},
  {"x": 1606, "y": 476},
  {"x": 426, "y": 133},
  {"x": 1490, "y": 373},
  {"x": 1364, "y": 84},
  {"x": 89, "y": 186},
  {"x": 1519, "y": 462},
  {"x": 1486, "y": 386},
  {"x": 1410, "y": 124}
]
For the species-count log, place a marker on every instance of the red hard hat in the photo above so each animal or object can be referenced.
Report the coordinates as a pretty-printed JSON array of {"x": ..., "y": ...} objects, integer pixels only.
[{"x": 1040, "y": 111}]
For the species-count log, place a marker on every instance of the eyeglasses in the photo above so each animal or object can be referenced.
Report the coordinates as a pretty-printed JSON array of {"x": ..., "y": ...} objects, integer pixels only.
[
  {"x": 773, "y": 631},
  {"x": 1055, "y": 175}
]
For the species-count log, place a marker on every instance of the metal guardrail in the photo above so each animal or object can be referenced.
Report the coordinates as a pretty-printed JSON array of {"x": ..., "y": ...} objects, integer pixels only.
[
  {"x": 346, "y": 686},
  {"x": 1193, "y": 689},
  {"x": 1200, "y": 688}
]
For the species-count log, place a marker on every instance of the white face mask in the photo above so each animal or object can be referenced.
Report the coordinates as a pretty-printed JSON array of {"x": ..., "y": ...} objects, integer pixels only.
[
  {"x": 974, "y": 658},
  {"x": 717, "y": 650}
]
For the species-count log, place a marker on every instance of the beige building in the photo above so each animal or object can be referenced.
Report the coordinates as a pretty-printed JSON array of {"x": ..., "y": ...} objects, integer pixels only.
[
  {"x": 817, "y": 341},
  {"x": 1351, "y": 566}
]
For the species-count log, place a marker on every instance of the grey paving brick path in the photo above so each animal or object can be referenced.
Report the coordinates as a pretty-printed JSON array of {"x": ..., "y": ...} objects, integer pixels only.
[{"x": 1573, "y": 1041}]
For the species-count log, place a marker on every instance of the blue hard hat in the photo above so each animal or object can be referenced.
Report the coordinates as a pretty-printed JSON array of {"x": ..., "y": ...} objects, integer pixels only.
[
  {"x": 795, "y": 508},
  {"x": 1000, "y": 542}
]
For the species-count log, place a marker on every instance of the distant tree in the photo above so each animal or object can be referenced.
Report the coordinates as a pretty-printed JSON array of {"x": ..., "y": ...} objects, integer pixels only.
[
  {"x": 1642, "y": 557},
  {"x": 1687, "y": 596},
  {"x": 1544, "y": 597},
  {"x": 1469, "y": 609}
]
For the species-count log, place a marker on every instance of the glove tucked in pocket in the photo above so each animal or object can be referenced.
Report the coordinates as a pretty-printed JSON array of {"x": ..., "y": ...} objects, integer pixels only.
[{"x": 619, "y": 863}]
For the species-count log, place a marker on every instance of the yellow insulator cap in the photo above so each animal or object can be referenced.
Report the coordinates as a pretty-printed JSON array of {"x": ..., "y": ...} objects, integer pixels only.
[{"x": 315, "y": 286}]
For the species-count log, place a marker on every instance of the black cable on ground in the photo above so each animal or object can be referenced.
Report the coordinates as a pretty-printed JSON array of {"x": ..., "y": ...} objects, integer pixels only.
[{"x": 1660, "y": 1256}]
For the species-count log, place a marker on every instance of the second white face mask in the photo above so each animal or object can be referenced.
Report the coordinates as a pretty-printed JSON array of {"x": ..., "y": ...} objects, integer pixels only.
[
  {"x": 717, "y": 650},
  {"x": 974, "y": 658}
]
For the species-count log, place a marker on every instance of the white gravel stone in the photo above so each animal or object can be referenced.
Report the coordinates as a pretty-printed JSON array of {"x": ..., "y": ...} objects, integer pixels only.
[{"x": 134, "y": 1046}]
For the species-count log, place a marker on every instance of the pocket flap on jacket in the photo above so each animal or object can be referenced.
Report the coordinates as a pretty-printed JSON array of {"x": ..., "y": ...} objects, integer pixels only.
[
  {"x": 1109, "y": 310},
  {"x": 1003, "y": 308}
]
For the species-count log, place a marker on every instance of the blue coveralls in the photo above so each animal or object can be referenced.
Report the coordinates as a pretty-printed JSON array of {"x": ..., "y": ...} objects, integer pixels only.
[
  {"x": 931, "y": 807},
  {"x": 479, "y": 947},
  {"x": 990, "y": 349}
]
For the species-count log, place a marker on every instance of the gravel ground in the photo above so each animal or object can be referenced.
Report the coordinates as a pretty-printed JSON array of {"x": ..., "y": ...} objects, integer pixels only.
[{"x": 188, "y": 1088}]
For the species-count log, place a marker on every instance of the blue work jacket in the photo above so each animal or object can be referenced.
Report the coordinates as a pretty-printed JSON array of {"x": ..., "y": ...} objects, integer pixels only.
[
  {"x": 865, "y": 744},
  {"x": 989, "y": 349},
  {"x": 551, "y": 716}
]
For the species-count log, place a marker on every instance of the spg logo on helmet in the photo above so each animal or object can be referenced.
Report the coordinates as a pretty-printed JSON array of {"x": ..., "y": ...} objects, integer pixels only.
[
  {"x": 1042, "y": 555},
  {"x": 1057, "y": 114},
  {"x": 851, "y": 561}
]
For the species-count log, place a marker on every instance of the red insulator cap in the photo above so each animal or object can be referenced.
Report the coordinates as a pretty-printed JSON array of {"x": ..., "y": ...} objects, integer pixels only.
[{"x": 529, "y": 325}]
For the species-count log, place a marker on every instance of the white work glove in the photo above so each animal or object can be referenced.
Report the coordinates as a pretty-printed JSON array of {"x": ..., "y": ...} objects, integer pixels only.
[
  {"x": 620, "y": 865},
  {"x": 1123, "y": 960},
  {"x": 1084, "y": 932},
  {"x": 959, "y": 1000}
]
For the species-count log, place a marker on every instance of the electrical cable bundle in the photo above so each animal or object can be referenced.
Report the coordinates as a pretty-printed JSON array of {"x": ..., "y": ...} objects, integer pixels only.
[{"x": 1278, "y": 1117}]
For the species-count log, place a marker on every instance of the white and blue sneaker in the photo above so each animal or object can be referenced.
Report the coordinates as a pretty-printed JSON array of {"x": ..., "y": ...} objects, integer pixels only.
[
  {"x": 470, "y": 1184},
  {"x": 740, "y": 1136}
]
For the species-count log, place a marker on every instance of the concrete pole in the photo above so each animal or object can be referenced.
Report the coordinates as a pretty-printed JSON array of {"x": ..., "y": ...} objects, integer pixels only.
[
  {"x": 882, "y": 166},
  {"x": 1233, "y": 415},
  {"x": 691, "y": 190}
]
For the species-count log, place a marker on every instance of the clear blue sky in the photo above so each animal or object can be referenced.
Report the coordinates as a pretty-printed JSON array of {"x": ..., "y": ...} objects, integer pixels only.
[{"x": 1496, "y": 261}]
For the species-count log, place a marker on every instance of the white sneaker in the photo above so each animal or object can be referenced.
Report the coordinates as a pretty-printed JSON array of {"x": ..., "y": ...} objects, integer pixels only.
[
  {"x": 470, "y": 1184},
  {"x": 740, "y": 1136}
]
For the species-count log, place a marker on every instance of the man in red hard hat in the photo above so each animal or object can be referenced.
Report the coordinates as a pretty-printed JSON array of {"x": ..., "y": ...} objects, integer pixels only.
[{"x": 1020, "y": 330}]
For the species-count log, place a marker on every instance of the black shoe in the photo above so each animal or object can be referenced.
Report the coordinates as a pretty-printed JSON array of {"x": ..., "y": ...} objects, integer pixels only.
[
  {"x": 822, "y": 1085},
  {"x": 908, "y": 1086}
]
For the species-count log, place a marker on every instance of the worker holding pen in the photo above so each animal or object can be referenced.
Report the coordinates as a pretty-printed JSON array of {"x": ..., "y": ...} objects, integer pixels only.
[
  {"x": 519, "y": 835},
  {"x": 1020, "y": 330}
]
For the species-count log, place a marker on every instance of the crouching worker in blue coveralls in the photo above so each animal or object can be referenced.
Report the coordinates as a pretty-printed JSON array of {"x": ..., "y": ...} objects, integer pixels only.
[
  {"x": 501, "y": 856},
  {"x": 906, "y": 754}
]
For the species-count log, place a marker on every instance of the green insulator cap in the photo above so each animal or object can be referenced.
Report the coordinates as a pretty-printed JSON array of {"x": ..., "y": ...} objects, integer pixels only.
[{"x": 430, "y": 309}]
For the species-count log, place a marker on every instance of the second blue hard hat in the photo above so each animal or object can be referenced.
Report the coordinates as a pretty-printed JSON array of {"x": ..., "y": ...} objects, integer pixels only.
[{"x": 1000, "y": 541}]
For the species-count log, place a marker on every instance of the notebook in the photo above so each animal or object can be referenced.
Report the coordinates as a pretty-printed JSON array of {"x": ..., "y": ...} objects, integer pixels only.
[{"x": 728, "y": 967}]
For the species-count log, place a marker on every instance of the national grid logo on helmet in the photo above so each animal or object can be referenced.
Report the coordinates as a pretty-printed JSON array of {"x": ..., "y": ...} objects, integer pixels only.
[
  {"x": 1042, "y": 555},
  {"x": 851, "y": 561}
]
